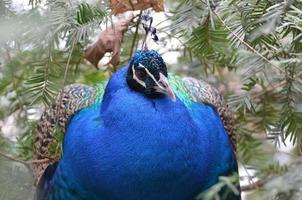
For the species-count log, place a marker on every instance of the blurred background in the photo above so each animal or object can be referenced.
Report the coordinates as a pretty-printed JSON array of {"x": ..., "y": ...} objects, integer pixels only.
[{"x": 251, "y": 50}]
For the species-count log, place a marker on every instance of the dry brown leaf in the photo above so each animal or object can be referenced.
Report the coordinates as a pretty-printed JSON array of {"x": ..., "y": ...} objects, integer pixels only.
[
  {"x": 109, "y": 40},
  {"x": 120, "y": 6}
]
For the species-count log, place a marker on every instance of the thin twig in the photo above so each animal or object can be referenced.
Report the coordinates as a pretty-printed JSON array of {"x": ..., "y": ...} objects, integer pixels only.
[
  {"x": 69, "y": 59},
  {"x": 250, "y": 179},
  {"x": 44, "y": 160},
  {"x": 135, "y": 34},
  {"x": 257, "y": 184},
  {"x": 13, "y": 159},
  {"x": 66, "y": 71},
  {"x": 273, "y": 87},
  {"x": 24, "y": 162},
  {"x": 113, "y": 67}
]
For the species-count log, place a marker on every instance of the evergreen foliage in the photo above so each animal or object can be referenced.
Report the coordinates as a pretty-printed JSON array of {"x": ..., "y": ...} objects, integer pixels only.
[{"x": 257, "y": 41}]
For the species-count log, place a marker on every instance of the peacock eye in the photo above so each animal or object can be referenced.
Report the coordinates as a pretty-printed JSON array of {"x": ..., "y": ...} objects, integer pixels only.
[{"x": 141, "y": 74}]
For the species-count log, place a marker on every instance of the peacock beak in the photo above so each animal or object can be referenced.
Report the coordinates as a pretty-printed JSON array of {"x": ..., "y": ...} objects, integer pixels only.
[{"x": 163, "y": 86}]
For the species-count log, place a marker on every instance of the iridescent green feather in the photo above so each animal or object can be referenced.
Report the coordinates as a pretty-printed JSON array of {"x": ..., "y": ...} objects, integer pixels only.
[
  {"x": 180, "y": 89},
  {"x": 100, "y": 89}
]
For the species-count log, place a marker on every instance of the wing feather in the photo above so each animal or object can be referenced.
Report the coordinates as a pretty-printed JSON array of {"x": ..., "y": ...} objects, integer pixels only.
[
  {"x": 202, "y": 91},
  {"x": 69, "y": 101}
]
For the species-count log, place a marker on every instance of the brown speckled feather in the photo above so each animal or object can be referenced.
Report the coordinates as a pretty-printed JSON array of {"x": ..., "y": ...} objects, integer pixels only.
[
  {"x": 70, "y": 100},
  {"x": 201, "y": 91}
]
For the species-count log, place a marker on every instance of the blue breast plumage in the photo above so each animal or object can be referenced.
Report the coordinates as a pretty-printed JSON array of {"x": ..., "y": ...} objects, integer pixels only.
[{"x": 132, "y": 147}]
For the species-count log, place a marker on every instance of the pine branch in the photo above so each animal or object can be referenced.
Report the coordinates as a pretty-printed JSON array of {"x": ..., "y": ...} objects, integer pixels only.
[{"x": 245, "y": 43}]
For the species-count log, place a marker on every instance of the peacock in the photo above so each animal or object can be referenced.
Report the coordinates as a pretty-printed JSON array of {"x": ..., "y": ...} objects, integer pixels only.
[{"x": 143, "y": 135}]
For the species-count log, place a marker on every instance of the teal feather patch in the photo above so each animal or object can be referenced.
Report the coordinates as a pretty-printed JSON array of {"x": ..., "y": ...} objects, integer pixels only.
[
  {"x": 180, "y": 89},
  {"x": 100, "y": 89}
]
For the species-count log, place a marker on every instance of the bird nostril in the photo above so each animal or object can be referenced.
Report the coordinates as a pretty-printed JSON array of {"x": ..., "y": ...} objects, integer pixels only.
[{"x": 163, "y": 84}]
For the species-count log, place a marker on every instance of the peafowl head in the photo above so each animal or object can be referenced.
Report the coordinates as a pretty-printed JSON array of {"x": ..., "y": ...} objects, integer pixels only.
[{"x": 147, "y": 73}]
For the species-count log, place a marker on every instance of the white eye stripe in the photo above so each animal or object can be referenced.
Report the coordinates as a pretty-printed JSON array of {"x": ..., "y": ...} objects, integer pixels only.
[
  {"x": 142, "y": 83},
  {"x": 151, "y": 75},
  {"x": 148, "y": 72},
  {"x": 141, "y": 66}
]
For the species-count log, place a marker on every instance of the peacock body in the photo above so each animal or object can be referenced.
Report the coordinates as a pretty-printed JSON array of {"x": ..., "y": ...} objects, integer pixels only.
[{"x": 142, "y": 137}]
